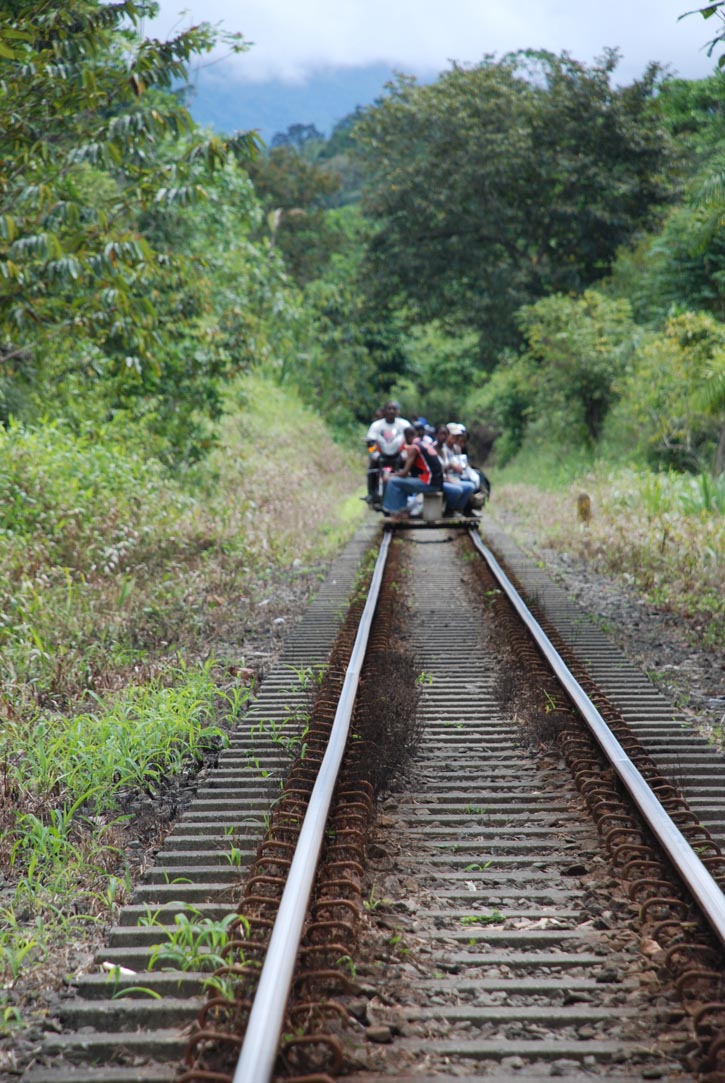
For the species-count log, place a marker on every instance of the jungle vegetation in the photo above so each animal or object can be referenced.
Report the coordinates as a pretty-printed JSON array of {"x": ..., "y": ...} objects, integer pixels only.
[{"x": 519, "y": 242}]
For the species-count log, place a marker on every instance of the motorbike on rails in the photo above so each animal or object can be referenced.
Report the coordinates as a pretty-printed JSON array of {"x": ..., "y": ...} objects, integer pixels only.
[{"x": 383, "y": 459}]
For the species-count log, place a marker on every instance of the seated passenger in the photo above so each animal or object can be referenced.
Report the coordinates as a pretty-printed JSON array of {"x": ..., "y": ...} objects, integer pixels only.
[
  {"x": 481, "y": 484},
  {"x": 423, "y": 430},
  {"x": 385, "y": 438},
  {"x": 457, "y": 488},
  {"x": 421, "y": 473}
]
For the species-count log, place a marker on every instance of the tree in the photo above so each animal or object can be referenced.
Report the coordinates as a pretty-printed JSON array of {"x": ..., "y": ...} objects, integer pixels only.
[
  {"x": 506, "y": 181},
  {"x": 710, "y": 11},
  {"x": 682, "y": 262},
  {"x": 294, "y": 192},
  {"x": 693, "y": 110},
  {"x": 711, "y": 398},
  {"x": 672, "y": 395},
  {"x": 337, "y": 154},
  {"x": 564, "y": 383},
  {"x": 351, "y": 358},
  {"x": 87, "y": 111},
  {"x": 300, "y": 137},
  {"x": 685, "y": 266},
  {"x": 341, "y": 139},
  {"x": 442, "y": 370}
]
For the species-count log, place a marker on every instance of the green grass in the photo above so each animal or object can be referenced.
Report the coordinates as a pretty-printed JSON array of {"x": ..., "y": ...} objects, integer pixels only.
[
  {"x": 128, "y": 741},
  {"x": 106, "y": 561},
  {"x": 661, "y": 533},
  {"x": 296, "y": 489},
  {"x": 61, "y": 798}
]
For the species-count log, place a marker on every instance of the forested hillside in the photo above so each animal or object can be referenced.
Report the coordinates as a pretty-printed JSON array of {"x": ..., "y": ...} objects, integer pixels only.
[{"x": 186, "y": 318}]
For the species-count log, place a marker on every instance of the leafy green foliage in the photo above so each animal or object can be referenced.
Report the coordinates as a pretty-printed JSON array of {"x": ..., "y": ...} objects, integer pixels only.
[
  {"x": 443, "y": 369},
  {"x": 95, "y": 153},
  {"x": 79, "y": 162},
  {"x": 302, "y": 137},
  {"x": 672, "y": 406},
  {"x": 294, "y": 190},
  {"x": 352, "y": 356},
  {"x": 693, "y": 110},
  {"x": 194, "y": 942},
  {"x": 478, "y": 185},
  {"x": 84, "y": 516},
  {"x": 682, "y": 265},
  {"x": 63, "y": 773},
  {"x": 127, "y": 742},
  {"x": 565, "y": 381},
  {"x": 79, "y": 502},
  {"x": 709, "y": 11}
]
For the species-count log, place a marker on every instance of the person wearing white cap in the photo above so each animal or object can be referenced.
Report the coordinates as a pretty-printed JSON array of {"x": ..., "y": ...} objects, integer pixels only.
[{"x": 457, "y": 489}]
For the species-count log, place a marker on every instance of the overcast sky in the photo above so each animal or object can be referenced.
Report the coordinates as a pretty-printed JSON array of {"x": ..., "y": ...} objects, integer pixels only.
[{"x": 294, "y": 37}]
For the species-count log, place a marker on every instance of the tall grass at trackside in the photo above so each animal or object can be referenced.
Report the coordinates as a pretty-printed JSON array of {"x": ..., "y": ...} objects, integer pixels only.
[
  {"x": 302, "y": 492},
  {"x": 118, "y": 582},
  {"x": 62, "y": 783},
  {"x": 80, "y": 519},
  {"x": 80, "y": 502},
  {"x": 106, "y": 561},
  {"x": 128, "y": 741},
  {"x": 662, "y": 533}
]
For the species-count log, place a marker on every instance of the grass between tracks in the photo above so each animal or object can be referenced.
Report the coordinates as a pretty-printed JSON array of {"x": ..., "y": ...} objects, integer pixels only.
[
  {"x": 661, "y": 533},
  {"x": 129, "y": 600}
]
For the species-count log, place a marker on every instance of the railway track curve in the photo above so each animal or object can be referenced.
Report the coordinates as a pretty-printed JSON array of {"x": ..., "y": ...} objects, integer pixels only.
[{"x": 503, "y": 911}]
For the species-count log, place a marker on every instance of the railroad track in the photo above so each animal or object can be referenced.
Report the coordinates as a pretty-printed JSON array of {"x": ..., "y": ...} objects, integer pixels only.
[{"x": 497, "y": 932}]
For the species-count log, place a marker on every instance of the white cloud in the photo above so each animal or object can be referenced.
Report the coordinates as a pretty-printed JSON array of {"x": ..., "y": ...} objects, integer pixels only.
[{"x": 293, "y": 37}]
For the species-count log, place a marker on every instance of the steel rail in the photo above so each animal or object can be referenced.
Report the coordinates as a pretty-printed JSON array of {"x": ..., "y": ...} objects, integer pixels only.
[
  {"x": 261, "y": 1039},
  {"x": 696, "y": 877}
]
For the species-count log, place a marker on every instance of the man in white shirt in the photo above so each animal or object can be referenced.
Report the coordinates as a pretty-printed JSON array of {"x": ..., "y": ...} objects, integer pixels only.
[{"x": 385, "y": 439}]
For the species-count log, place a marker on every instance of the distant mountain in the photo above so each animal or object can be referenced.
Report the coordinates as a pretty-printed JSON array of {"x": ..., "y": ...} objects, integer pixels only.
[{"x": 227, "y": 104}]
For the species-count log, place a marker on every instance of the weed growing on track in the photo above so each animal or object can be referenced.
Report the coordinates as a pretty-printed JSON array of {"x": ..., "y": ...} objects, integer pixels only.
[
  {"x": 306, "y": 678},
  {"x": 494, "y": 918},
  {"x": 193, "y": 942},
  {"x": 374, "y": 901},
  {"x": 289, "y": 733}
]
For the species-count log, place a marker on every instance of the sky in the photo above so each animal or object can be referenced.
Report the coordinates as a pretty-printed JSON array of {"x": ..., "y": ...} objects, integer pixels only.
[{"x": 292, "y": 39}]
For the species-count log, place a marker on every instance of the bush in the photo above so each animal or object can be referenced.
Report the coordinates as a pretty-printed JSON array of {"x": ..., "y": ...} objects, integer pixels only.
[
  {"x": 82, "y": 502},
  {"x": 565, "y": 382},
  {"x": 662, "y": 408}
]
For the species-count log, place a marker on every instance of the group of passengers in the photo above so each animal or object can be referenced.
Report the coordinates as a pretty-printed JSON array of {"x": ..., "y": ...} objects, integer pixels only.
[{"x": 407, "y": 460}]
